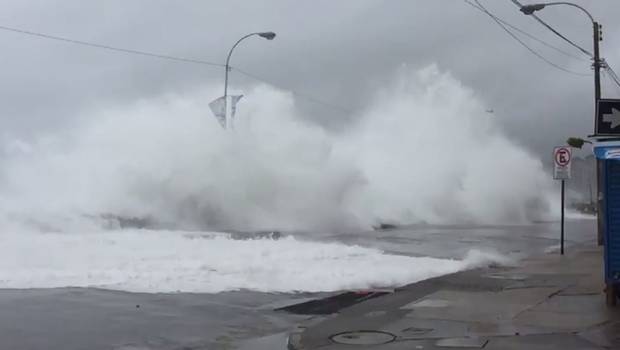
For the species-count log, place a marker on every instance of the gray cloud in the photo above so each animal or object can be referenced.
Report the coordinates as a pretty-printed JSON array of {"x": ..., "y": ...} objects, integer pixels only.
[{"x": 336, "y": 51}]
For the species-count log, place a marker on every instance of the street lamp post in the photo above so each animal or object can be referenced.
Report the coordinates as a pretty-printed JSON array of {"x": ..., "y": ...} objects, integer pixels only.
[
  {"x": 529, "y": 10},
  {"x": 266, "y": 35},
  {"x": 610, "y": 290}
]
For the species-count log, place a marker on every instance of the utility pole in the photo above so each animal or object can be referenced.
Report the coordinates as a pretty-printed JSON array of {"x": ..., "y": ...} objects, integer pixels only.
[
  {"x": 611, "y": 290},
  {"x": 529, "y": 10},
  {"x": 599, "y": 163},
  {"x": 597, "y": 63}
]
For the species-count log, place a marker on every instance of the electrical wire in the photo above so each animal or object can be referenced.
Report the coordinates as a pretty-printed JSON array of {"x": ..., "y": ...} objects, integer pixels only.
[
  {"x": 612, "y": 74},
  {"x": 608, "y": 74},
  {"x": 111, "y": 48},
  {"x": 535, "y": 53},
  {"x": 533, "y": 37},
  {"x": 302, "y": 95},
  {"x": 516, "y": 2},
  {"x": 168, "y": 57}
]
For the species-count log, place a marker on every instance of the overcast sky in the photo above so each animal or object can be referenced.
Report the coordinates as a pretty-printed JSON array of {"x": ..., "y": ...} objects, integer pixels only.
[{"x": 338, "y": 51}]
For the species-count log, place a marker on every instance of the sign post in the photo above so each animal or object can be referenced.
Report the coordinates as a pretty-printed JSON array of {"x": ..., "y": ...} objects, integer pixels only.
[{"x": 561, "y": 171}]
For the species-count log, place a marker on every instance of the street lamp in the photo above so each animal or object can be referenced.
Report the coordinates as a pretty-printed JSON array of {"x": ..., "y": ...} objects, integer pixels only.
[
  {"x": 529, "y": 10},
  {"x": 266, "y": 35}
]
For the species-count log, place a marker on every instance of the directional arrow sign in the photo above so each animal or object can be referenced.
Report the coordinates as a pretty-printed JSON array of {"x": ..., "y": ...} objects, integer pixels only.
[
  {"x": 613, "y": 118},
  {"x": 608, "y": 117}
]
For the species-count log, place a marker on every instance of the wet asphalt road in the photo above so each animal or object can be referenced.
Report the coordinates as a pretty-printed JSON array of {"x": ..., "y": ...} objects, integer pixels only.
[
  {"x": 79, "y": 319},
  {"x": 97, "y": 319},
  {"x": 454, "y": 241}
]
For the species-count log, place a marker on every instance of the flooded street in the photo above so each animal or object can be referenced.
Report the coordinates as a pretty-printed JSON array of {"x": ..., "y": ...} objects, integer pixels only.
[{"x": 79, "y": 318}]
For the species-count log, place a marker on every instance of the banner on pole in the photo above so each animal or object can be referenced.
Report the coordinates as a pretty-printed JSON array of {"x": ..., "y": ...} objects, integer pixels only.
[
  {"x": 233, "y": 107},
  {"x": 218, "y": 107}
]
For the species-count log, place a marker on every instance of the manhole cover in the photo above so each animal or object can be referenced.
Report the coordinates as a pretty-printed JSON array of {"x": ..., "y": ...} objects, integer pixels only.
[{"x": 363, "y": 338}]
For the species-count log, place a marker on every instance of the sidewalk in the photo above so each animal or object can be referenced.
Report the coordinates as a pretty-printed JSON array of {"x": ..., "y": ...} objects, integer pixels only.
[{"x": 547, "y": 302}]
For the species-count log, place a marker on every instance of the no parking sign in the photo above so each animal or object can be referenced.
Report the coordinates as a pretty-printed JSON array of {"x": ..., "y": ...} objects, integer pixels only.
[{"x": 561, "y": 161}]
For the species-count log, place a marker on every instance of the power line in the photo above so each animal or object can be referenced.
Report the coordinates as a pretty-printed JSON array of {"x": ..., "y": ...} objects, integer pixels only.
[
  {"x": 615, "y": 83},
  {"x": 533, "y": 37},
  {"x": 524, "y": 44},
  {"x": 302, "y": 95},
  {"x": 106, "y": 47},
  {"x": 516, "y": 2},
  {"x": 166, "y": 57},
  {"x": 612, "y": 74},
  {"x": 562, "y": 36}
]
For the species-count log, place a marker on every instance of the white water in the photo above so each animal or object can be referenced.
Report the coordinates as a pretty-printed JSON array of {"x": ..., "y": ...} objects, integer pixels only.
[
  {"x": 575, "y": 215},
  {"x": 165, "y": 261},
  {"x": 423, "y": 151}
]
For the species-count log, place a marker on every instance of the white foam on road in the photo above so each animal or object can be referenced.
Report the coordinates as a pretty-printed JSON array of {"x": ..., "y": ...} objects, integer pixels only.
[
  {"x": 173, "y": 261},
  {"x": 552, "y": 249},
  {"x": 575, "y": 215}
]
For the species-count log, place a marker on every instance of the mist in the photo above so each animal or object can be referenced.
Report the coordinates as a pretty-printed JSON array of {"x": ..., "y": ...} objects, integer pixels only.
[{"x": 423, "y": 150}]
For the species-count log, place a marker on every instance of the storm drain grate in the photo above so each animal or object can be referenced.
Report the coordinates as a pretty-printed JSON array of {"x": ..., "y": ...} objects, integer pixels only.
[{"x": 331, "y": 304}]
